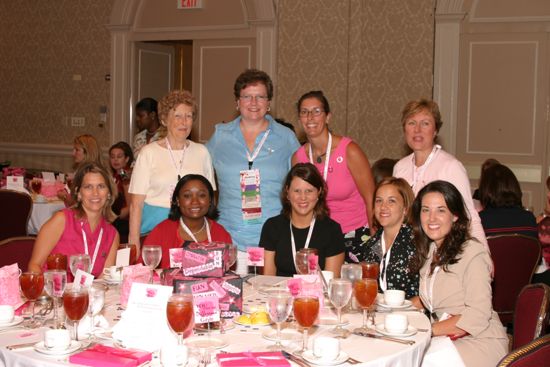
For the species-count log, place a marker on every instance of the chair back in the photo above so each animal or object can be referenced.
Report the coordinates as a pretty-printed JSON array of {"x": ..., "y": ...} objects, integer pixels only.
[
  {"x": 14, "y": 216},
  {"x": 543, "y": 229},
  {"x": 531, "y": 314},
  {"x": 536, "y": 353},
  {"x": 515, "y": 258},
  {"x": 16, "y": 250}
]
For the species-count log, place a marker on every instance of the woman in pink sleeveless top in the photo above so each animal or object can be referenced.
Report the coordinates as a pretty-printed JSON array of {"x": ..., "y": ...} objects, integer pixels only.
[
  {"x": 345, "y": 168},
  {"x": 84, "y": 228}
]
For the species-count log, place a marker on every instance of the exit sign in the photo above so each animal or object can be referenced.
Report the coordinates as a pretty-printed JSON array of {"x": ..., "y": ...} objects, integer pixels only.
[{"x": 189, "y": 4}]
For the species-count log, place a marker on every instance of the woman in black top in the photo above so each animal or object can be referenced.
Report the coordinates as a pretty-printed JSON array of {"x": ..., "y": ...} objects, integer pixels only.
[
  {"x": 392, "y": 245},
  {"x": 304, "y": 215}
]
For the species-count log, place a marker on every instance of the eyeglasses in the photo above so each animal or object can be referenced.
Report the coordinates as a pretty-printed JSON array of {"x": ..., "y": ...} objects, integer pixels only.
[
  {"x": 259, "y": 99},
  {"x": 314, "y": 112}
]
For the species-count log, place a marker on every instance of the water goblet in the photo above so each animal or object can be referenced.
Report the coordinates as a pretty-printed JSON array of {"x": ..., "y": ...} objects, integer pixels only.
[
  {"x": 96, "y": 295},
  {"x": 179, "y": 312},
  {"x": 303, "y": 261},
  {"x": 306, "y": 310},
  {"x": 151, "y": 254},
  {"x": 79, "y": 261},
  {"x": 340, "y": 293},
  {"x": 351, "y": 272},
  {"x": 32, "y": 285},
  {"x": 55, "y": 283},
  {"x": 75, "y": 303},
  {"x": 279, "y": 305},
  {"x": 366, "y": 291}
]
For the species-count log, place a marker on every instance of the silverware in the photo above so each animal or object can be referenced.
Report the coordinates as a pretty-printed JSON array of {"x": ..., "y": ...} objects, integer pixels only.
[
  {"x": 353, "y": 361},
  {"x": 294, "y": 358},
  {"x": 21, "y": 346},
  {"x": 383, "y": 337}
]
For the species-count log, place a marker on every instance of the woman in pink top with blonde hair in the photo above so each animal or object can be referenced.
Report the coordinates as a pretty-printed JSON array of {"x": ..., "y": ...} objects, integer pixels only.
[{"x": 345, "y": 168}]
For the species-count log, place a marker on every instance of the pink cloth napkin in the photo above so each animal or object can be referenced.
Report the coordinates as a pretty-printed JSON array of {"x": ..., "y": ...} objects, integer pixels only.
[{"x": 9, "y": 284}]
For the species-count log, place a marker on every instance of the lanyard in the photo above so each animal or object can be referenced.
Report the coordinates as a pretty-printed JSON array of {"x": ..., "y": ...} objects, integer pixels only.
[
  {"x": 188, "y": 231},
  {"x": 327, "y": 157},
  {"x": 418, "y": 172},
  {"x": 178, "y": 169},
  {"x": 257, "y": 150},
  {"x": 308, "y": 238},
  {"x": 96, "y": 250},
  {"x": 386, "y": 255}
]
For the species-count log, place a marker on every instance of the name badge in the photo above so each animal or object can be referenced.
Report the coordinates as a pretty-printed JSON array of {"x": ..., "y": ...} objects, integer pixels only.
[{"x": 251, "y": 204}]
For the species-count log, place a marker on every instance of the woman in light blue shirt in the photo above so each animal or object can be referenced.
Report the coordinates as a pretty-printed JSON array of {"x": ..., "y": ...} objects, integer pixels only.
[{"x": 251, "y": 156}]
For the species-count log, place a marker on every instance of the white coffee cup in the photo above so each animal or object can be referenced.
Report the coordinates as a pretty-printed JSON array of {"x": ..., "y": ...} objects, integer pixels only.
[
  {"x": 6, "y": 314},
  {"x": 396, "y": 323},
  {"x": 326, "y": 348},
  {"x": 394, "y": 297},
  {"x": 57, "y": 339},
  {"x": 174, "y": 355},
  {"x": 114, "y": 273}
]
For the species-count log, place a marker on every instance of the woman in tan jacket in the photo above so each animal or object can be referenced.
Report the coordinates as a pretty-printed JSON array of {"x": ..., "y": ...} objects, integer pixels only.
[{"x": 455, "y": 276}]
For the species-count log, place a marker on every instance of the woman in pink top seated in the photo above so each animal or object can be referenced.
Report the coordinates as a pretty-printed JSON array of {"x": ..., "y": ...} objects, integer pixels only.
[
  {"x": 428, "y": 162},
  {"x": 192, "y": 203},
  {"x": 84, "y": 228},
  {"x": 345, "y": 168}
]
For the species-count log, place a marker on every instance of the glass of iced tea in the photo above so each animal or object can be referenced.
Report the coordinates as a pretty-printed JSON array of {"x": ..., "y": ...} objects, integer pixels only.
[
  {"x": 75, "y": 304},
  {"x": 32, "y": 285},
  {"x": 36, "y": 185},
  {"x": 370, "y": 270},
  {"x": 366, "y": 291},
  {"x": 133, "y": 252},
  {"x": 57, "y": 262},
  {"x": 179, "y": 312},
  {"x": 306, "y": 310}
]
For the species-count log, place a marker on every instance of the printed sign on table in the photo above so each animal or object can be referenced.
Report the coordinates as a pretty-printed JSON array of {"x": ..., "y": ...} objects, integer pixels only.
[
  {"x": 206, "y": 307},
  {"x": 255, "y": 256}
]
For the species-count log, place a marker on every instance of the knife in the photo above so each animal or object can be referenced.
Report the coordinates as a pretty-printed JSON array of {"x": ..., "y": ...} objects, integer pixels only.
[
  {"x": 21, "y": 346},
  {"x": 375, "y": 336},
  {"x": 299, "y": 361}
]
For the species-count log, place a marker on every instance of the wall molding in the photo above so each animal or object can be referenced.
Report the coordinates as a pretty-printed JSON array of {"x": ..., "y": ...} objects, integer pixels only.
[{"x": 529, "y": 173}]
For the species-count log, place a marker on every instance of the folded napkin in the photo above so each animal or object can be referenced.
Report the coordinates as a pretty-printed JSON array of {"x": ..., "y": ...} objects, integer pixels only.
[
  {"x": 104, "y": 356},
  {"x": 442, "y": 352},
  {"x": 252, "y": 359},
  {"x": 132, "y": 274},
  {"x": 85, "y": 326},
  {"x": 9, "y": 284}
]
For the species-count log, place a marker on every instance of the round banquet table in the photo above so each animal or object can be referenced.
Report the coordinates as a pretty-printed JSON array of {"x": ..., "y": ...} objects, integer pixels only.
[
  {"x": 371, "y": 352},
  {"x": 41, "y": 212}
]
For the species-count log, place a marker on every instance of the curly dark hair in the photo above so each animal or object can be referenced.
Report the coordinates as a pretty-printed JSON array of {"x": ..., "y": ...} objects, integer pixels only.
[
  {"x": 309, "y": 173},
  {"x": 499, "y": 188},
  {"x": 252, "y": 77},
  {"x": 175, "y": 213},
  {"x": 453, "y": 244}
]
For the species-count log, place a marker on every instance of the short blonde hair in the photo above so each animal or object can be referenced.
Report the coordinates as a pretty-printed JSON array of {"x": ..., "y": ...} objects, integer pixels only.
[
  {"x": 90, "y": 146},
  {"x": 423, "y": 104}
]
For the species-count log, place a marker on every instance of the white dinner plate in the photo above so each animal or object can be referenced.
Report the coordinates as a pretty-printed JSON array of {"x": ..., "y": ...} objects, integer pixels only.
[
  {"x": 39, "y": 347},
  {"x": 308, "y": 356},
  {"x": 235, "y": 320},
  {"x": 411, "y": 330},
  {"x": 287, "y": 335},
  {"x": 205, "y": 342},
  {"x": 406, "y": 304},
  {"x": 16, "y": 321}
]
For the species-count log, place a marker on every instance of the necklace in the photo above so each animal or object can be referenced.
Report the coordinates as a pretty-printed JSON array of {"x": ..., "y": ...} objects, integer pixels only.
[
  {"x": 200, "y": 230},
  {"x": 320, "y": 157}
]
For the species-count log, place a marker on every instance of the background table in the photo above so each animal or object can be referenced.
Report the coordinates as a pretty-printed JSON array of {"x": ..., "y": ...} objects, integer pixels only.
[{"x": 41, "y": 212}]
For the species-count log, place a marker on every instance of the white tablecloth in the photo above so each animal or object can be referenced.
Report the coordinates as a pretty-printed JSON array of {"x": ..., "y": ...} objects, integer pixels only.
[
  {"x": 372, "y": 352},
  {"x": 41, "y": 212}
]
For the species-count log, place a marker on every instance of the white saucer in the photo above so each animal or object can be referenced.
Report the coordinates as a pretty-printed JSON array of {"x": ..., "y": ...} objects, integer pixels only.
[
  {"x": 411, "y": 330},
  {"x": 109, "y": 280},
  {"x": 205, "y": 342},
  {"x": 287, "y": 335},
  {"x": 308, "y": 356},
  {"x": 40, "y": 348},
  {"x": 16, "y": 321},
  {"x": 332, "y": 321},
  {"x": 406, "y": 304}
]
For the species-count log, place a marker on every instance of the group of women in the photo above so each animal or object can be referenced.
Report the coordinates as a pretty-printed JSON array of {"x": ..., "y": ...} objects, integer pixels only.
[{"x": 283, "y": 197}]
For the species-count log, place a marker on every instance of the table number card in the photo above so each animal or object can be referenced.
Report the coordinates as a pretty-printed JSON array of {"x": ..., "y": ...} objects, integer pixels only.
[
  {"x": 122, "y": 257},
  {"x": 83, "y": 279},
  {"x": 149, "y": 298},
  {"x": 15, "y": 183},
  {"x": 206, "y": 307},
  {"x": 255, "y": 256},
  {"x": 48, "y": 176}
]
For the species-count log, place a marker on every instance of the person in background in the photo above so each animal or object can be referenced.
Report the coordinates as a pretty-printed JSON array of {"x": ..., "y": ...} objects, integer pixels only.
[
  {"x": 83, "y": 228},
  {"x": 161, "y": 164},
  {"x": 546, "y": 211},
  {"x": 503, "y": 213},
  {"x": 428, "y": 162},
  {"x": 383, "y": 168},
  {"x": 85, "y": 149},
  {"x": 344, "y": 167},
  {"x": 121, "y": 158},
  {"x": 455, "y": 276},
  {"x": 148, "y": 123},
  {"x": 303, "y": 223},
  {"x": 251, "y": 155},
  {"x": 192, "y": 218},
  {"x": 477, "y": 200},
  {"x": 392, "y": 246}
]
